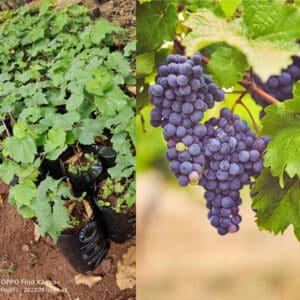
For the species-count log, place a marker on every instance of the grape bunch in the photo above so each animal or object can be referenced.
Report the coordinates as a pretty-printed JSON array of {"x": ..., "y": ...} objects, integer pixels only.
[
  {"x": 233, "y": 154},
  {"x": 221, "y": 155},
  {"x": 181, "y": 95},
  {"x": 281, "y": 86}
]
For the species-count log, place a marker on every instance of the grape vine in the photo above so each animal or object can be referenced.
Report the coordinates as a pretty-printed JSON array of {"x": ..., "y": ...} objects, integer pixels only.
[
  {"x": 221, "y": 154},
  {"x": 218, "y": 148}
]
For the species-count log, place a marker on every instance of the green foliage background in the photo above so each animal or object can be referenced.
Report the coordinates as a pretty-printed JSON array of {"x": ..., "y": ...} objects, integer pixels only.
[{"x": 62, "y": 82}]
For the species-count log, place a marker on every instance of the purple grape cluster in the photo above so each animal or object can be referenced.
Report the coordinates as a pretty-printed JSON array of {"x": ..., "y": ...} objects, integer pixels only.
[
  {"x": 233, "y": 154},
  {"x": 221, "y": 154},
  {"x": 181, "y": 95},
  {"x": 281, "y": 86}
]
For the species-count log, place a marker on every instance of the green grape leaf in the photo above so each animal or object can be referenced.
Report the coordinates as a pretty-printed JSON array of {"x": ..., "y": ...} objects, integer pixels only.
[
  {"x": 38, "y": 98},
  {"x": 59, "y": 220},
  {"x": 227, "y": 66},
  {"x": 125, "y": 162},
  {"x": 21, "y": 150},
  {"x": 266, "y": 56},
  {"x": 52, "y": 215},
  {"x": 26, "y": 212},
  {"x": 229, "y": 7},
  {"x": 55, "y": 143},
  {"x": 116, "y": 61},
  {"x": 121, "y": 120},
  {"x": 128, "y": 49},
  {"x": 144, "y": 64},
  {"x": 101, "y": 29},
  {"x": 74, "y": 101},
  {"x": 277, "y": 208},
  {"x": 45, "y": 5},
  {"x": 283, "y": 151},
  {"x": 214, "y": 6},
  {"x": 8, "y": 169},
  {"x": 271, "y": 20},
  {"x": 20, "y": 130},
  {"x": 23, "y": 193},
  {"x": 60, "y": 22},
  {"x": 294, "y": 105},
  {"x": 111, "y": 102},
  {"x": 88, "y": 130},
  {"x": 100, "y": 82},
  {"x": 66, "y": 120},
  {"x": 156, "y": 24}
]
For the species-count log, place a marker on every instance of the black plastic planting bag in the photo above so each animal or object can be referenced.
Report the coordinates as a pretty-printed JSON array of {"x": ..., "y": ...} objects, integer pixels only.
[
  {"x": 86, "y": 248},
  {"x": 107, "y": 155},
  {"x": 119, "y": 227},
  {"x": 52, "y": 167},
  {"x": 86, "y": 181}
]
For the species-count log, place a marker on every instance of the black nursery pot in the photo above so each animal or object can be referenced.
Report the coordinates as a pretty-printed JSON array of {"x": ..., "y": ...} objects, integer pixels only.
[
  {"x": 107, "y": 155},
  {"x": 85, "y": 181},
  {"x": 85, "y": 248},
  {"x": 119, "y": 227},
  {"x": 52, "y": 167}
]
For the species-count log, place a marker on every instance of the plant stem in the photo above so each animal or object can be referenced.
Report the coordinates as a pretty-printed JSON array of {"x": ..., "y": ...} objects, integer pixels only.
[
  {"x": 251, "y": 116},
  {"x": 177, "y": 47},
  {"x": 6, "y": 129},
  {"x": 252, "y": 87},
  {"x": 255, "y": 89},
  {"x": 239, "y": 101},
  {"x": 143, "y": 122}
]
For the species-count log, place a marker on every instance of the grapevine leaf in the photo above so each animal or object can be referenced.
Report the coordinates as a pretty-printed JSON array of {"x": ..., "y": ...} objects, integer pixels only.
[
  {"x": 66, "y": 120},
  {"x": 227, "y": 66},
  {"x": 156, "y": 23},
  {"x": 101, "y": 29},
  {"x": 229, "y": 7},
  {"x": 20, "y": 130},
  {"x": 283, "y": 151},
  {"x": 26, "y": 212},
  {"x": 121, "y": 120},
  {"x": 23, "y": 193},
  {"x": 118, "y": 62},
  {"x": 45, "y": 5},
  {"x": 59, "y": 220},
  {"x": 60, "y": 22},
  {"x": 145, "y": 64},
  {"x": 111, "y": 102},
  {"x": 74, "y": 101},
  {"x": 8, "y": 169},
  {"x": 99, "y": 83},
  {"x": 271, "y": 20},
  {"x": 55, "y": 143},
  {"x": 214, "y": 6},
  {"x": 52, "y": 215},
  {"x": 294, "y": 105},
  {"x": 128, "y": 50},
  {"x": 21, "y": 150},
  {"x": 88, "y": 130},
  {"x": 267, "y": 57},
  {"x": 277, "y": 208},
  {"x": 125, "y": 163}
]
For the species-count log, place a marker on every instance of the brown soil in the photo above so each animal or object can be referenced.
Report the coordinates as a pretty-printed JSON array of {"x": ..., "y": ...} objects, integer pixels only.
[
  {"x": 42, "y": 260},
  {"x": 121, "y": 12}
]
